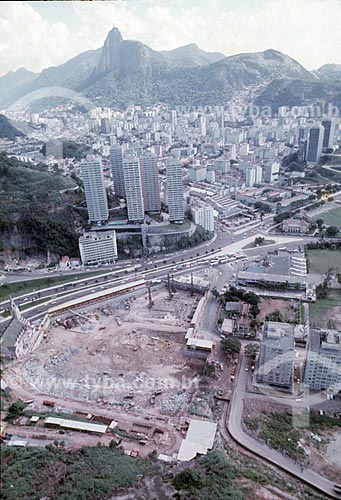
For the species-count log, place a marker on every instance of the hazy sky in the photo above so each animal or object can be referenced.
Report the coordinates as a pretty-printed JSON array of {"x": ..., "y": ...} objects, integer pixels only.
[{"x": 36, "y": 35}]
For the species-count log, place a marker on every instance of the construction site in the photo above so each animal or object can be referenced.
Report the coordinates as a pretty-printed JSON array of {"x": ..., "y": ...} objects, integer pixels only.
[{"x": 130, "y": 353}]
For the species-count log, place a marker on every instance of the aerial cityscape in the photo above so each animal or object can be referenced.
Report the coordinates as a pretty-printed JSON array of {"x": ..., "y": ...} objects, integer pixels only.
[{"x": 170, "y": 250}]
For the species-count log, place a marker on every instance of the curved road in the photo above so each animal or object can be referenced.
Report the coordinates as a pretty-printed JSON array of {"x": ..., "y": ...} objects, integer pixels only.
[{"x": 235, "y": 429}]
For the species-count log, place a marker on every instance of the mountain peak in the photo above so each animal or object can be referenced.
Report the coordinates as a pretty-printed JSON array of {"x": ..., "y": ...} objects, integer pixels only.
[
  {"x": 114, "y": 35},
  {"x": 110, "y": 52},
  {"x": 273, "y": 53}
]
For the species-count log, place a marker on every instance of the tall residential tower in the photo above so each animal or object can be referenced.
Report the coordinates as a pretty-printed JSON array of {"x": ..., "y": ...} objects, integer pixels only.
[
  {"x": 150, "y": 182},
  {"x": 133, "y": 187},
  {"x": 315, "y": 144},
  {"x": 175, "y": 195},
  {"x": 116, "y": 160},
  {"x": 95, "y": 193}
]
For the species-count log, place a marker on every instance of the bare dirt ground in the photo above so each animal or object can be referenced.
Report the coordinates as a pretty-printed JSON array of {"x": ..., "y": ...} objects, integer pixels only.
[
  {"x": 109, "y": 362},
  {"x": 321, "y": 457},
  {"x": 120, "y": 354},
  {"x": 268, "y": 306},
  {"x": 333, "y": 455}
]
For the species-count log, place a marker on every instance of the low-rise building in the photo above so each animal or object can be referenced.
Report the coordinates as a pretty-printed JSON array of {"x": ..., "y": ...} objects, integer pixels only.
[
  {"x": 295, "y": 226},
  {"x": 272, "y": 281},
  {"x": 98, "y": 248},
  {"x": 199, "y": 439}
]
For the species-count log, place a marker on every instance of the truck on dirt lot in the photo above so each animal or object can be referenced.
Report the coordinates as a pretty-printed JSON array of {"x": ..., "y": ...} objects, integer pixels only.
[{"x": 46, "y": 402}]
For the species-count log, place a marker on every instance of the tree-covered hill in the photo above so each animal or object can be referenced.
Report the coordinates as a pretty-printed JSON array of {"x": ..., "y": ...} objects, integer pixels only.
[
  {"x": 33, "y": 217},
  {"x": 7, "y": 131}
]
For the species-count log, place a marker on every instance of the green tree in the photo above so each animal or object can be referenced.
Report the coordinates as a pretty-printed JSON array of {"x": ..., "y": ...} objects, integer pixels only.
[
  {"x": 258, "y": 241},
  {"x": 15, "y": 410},
  {"x": 275, "y": 315},
  {"x": 251, "y": 350},
  {"x": 188, "y": 480},
  {"x": 332, "y": 231},
  {"x": 230, "y": 346}
]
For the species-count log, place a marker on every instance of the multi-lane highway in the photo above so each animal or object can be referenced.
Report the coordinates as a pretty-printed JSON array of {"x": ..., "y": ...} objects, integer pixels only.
[
  {"x": 223, "y": 242},
  {"x": 194, "y": 258}
]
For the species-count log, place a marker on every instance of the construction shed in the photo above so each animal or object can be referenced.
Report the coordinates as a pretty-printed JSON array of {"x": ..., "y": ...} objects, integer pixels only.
[
  {"x": 75, "y": 425},
  {"x": 199, "y": 439}
]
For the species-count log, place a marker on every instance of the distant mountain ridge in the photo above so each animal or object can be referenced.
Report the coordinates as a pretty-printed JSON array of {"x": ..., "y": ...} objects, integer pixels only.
[
  {"x": 329, "y": 71},
  {"x": 125, "y": 72}
]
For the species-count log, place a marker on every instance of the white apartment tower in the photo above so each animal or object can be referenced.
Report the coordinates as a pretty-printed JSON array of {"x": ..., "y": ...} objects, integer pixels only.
[
  {"x": 175, "y": 195},
  {"x": 203, "y": 215},
  {"x": 95, "y": 193},
  {"x": 202, "y": 125},
  {"x": 250, "y": 176},
  {"x": 150, "y": 182},
  {"x": 116, "y": 160},
  {"x": 133, "y": 187},
  {"x": 98, "y": 248}
]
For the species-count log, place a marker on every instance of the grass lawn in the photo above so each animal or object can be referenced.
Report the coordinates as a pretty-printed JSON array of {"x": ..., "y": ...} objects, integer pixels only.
[
  {"x": 320, "y": 261},
  {"x": 22, "y": 287},
  {"x": 332, "y": 217},
  {"x": 264, "y": 243},
  {"x": 319, "y": 311}
]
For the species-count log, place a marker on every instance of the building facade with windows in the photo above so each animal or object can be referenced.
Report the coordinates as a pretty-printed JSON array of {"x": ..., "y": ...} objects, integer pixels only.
[
  {"x": 98, "y": 248},
  {"x": 133, "y": 187},
  {"x": 95, "y": 193},
  {"x": 315, "y": 144},
  {"x": 116, "y": 160},
  {"x": 323, "y": 368},
  {"x": 203, "y": 215},
  {"x": 150, "y": 182},
  {"x": 175, "y": 197},
  {"x": 276, "y": 355}
]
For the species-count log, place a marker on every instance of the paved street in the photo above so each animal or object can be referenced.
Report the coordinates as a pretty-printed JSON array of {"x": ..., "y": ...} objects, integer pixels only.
[{"x": 271, "y": 455}]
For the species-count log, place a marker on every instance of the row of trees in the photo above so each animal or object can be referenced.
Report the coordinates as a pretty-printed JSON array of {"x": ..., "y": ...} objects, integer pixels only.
[{"x": 232, "y": 346}]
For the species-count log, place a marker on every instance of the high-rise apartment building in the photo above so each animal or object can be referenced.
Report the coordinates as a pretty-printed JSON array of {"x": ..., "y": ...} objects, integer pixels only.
[
  {"x": 105, "y": 126},
  {"x": 197, "y": 174},
  {"x": 276, "y": 355},
  {"x": 133, "y": 187},
  {"x": 203, "y": 215},
  {"x": 271, "y": 172},
  {"x": 315, "y": 144},
  {"x": 95, "y": 193},
  {"x": 303, "y": 133},
  {"x": 202, "y": 125},
  {"x": 259, "y": 174},
  {"x": 323, "y": 368},
  {"x": 116, "y": 160},
  {"x": 222, "y": 165},
  {"x": 329, "y": 133},
  {"x": 150, "y": 182},
  {"x": 175, "y": 195},
  {"x": 250, "y": 176},
  {"x": 98, "y": 248}
]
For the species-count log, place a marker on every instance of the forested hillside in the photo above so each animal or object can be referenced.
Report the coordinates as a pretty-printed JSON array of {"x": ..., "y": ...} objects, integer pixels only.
[{"x": 33, "y": 216}]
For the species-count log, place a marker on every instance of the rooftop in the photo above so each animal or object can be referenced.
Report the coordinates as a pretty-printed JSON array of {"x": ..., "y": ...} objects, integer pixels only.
[{"x": 199, "y": 439}]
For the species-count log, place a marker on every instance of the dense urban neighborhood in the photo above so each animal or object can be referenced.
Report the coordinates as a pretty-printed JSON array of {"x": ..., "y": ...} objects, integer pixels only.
[{"x": 170, "y": 279}]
